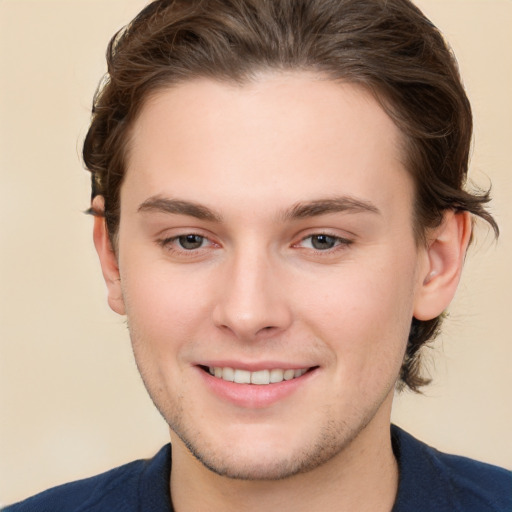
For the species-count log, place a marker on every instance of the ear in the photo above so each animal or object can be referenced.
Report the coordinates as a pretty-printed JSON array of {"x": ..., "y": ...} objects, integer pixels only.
[
  {"x": 108, "y": 258},
  {"x": 440, "y": 275}
]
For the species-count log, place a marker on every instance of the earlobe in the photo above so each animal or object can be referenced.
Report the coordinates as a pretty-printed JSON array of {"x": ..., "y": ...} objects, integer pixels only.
[
  {"x": 108, "y": 259},
  {"x": 445, "y": 257}
]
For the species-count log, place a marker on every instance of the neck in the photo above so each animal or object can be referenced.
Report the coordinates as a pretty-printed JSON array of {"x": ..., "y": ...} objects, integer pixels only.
[{"x": 363, "y": 477}]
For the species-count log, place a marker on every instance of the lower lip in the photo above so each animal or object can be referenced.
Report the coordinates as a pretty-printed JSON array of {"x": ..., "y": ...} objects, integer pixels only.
[{"x": 254, "y": 396}]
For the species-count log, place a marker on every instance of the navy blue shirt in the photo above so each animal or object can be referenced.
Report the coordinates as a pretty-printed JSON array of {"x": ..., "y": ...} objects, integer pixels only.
[{"x": 430, "y": 481}]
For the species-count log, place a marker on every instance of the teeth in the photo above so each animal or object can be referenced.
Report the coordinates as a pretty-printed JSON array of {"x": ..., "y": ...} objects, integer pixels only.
[
  {"x": 260, "y": 377},
  {"x": 276, "y": 375},
  {"x": 228, "y": 374},
  {"x": 241, "y": 376},
  {"x": 289, "y": 374}
]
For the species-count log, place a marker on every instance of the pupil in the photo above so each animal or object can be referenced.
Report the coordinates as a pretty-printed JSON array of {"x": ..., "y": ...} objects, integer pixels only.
[
  {"x": 323, "y": 242},
  {"x": 191, "y": 241}
]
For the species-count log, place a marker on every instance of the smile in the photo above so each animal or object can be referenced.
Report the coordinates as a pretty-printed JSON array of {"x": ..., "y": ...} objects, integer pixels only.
[{"x": 260, "y": 377}]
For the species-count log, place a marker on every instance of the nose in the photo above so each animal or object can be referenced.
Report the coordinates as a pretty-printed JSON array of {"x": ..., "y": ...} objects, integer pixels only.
[{"x": 252, "y": 299}]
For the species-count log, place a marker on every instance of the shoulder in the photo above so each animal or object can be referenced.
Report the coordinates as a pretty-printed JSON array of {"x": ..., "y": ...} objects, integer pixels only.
[
  {"x": 119, "y": 489},
  {"x": 447, "y": 482}
]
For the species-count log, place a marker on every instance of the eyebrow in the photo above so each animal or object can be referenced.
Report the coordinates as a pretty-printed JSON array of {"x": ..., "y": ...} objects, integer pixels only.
[
  {"x": 179, "y": 207},
  {"x": 300, "y": 210},
  {"x": 337, "y": 204}
]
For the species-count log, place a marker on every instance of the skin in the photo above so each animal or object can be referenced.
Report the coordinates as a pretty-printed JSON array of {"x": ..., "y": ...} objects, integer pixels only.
[{"x": 258, "y": 172}]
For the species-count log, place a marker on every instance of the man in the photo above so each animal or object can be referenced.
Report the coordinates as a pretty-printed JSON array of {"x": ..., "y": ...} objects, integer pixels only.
[{"x": 280, "y": 214}]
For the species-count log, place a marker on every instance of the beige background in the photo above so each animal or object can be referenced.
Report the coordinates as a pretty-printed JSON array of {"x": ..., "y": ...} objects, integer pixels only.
[{"x": 71, "y": 402}]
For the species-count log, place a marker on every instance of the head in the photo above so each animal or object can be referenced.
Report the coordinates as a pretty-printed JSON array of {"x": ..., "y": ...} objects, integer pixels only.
[
  {"x": 386, "y": 47},
  {"x": 280, "y": 186}
]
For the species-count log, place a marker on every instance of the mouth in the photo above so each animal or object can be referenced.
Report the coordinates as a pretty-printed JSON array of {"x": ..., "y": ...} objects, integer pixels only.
[{"x": 259, "y": 378}]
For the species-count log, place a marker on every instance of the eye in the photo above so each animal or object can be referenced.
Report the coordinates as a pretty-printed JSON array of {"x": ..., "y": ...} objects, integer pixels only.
[
  {"x": 323, "y": 242},
  {"x": 188, "y": 244},
  {"x": 191, "y": 241}
]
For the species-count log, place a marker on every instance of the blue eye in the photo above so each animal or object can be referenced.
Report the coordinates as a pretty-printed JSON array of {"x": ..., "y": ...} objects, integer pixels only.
[{"x": 190, "y": 242}]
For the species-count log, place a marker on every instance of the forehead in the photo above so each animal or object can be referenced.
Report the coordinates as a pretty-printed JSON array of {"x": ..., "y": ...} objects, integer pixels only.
[{"x": 281, "y": 138}]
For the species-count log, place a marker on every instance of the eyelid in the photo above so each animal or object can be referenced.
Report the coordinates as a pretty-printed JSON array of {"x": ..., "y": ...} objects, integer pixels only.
[
  {"x": 342, "y": 242},
  {"x": 169, "y": 239},
  {"x": 169, "y": 243},
  {"x": 346, "y": 236}
]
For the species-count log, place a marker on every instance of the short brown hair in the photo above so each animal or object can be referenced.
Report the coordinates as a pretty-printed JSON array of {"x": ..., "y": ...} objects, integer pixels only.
[{"x": 388, "y": 46}]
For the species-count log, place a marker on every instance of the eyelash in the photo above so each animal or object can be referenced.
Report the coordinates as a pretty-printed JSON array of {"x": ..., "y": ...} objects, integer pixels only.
[
  {"x": 340, "y": 243},
  {"x": 171, "y": 243}
]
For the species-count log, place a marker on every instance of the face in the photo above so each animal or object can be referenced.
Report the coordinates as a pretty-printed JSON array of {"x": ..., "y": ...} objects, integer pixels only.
[{"x": 268, "y": 268}]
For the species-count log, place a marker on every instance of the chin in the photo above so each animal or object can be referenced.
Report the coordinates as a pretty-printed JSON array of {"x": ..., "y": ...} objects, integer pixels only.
[
  {"x": 261, "y": 465},
  {"x": 267, "y": 458},
  {"x": 250, "y": 469}
]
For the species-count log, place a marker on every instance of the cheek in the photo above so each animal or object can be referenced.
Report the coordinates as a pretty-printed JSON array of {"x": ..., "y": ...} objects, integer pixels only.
[
  {"x": 163, "y": 310},
  {"x": 366, "y": 318},
  {"x": 362, "y": 298}
]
